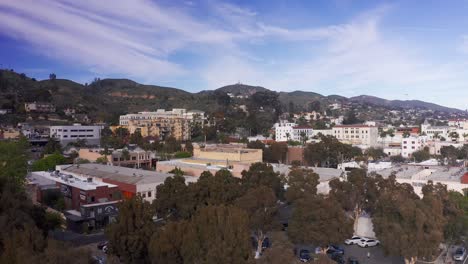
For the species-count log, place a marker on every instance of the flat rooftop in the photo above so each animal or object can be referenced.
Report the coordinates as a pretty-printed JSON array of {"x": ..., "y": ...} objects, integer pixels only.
[
  {"x": 325, "y": 174},
  {"x": 80, "y": 182},
  {"x": 426, "y": 173},
  {"x": 116, "y": 173}
]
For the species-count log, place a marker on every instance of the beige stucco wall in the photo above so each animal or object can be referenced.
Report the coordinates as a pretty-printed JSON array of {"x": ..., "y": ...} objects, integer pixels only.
[
  {"x": 85, "y": 153},
  {"x": 250, "y": 155}
]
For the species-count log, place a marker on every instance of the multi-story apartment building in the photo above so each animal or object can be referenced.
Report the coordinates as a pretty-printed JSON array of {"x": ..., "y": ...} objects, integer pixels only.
[
  {"x": 301, "y": 133},
  {"x": 40, "y": 107},
  {"x": 162, "y": 123},
  {"x": 134, "y": 157},
  {"x": 412, "y": 144},
  {"x": 457, "y": 127},
  {"x": 357, "y": 134},
  {"x": 67, "y": 134},
  {"x": 284, "y": 131}
]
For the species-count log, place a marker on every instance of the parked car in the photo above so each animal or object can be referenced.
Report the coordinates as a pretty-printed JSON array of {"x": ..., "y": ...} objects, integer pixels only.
[
  {"x": 337, "y": 257},
  {"x": 97, "y": 260},
  {"x": 304, "y": 255},
  {"x": 332, "y": 250},
  {"x": 352, "y": 260},
  {"x": 266, "y": 243},
  {"x": 368, "y": 242},
  {"x": 100, "y": 245},
  {"x": 460, "y": 254},
  {"x": 353, "y": 241}
]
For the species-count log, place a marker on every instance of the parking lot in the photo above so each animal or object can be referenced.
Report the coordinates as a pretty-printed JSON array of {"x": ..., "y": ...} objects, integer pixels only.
[{"x": 376, "y": 255}]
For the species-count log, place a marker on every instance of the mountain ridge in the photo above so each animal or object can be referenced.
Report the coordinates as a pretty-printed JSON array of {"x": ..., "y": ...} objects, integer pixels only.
[{"x": 107, "y": 98}]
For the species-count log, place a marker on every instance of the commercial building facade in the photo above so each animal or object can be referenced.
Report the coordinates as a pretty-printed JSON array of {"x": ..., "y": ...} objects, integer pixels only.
[
  {"x": 67, "y": 134},
  {"x": 357, "y": 134},
  {"x": 162, "y": 124}
]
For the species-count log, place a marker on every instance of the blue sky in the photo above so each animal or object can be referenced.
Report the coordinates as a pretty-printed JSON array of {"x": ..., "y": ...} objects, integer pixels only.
[{"x": 390, "y": 49}]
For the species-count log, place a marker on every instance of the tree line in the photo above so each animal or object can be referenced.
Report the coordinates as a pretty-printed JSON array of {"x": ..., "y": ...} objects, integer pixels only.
[
  {"x": 223, "y": 219},
  {"x": 24, "y": 237}
]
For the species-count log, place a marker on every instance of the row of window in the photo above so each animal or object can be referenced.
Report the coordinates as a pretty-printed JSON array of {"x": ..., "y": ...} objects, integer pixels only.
[
  {"x": 81, "y": 136},
  {"x": 74, "y": 130}
]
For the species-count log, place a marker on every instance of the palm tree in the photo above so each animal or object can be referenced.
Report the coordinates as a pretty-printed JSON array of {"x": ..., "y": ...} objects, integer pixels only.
[{"x": 287, "y": 135}]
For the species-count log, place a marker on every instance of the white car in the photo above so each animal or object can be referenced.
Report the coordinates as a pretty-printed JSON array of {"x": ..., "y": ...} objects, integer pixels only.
[
  {"x": 368, "y": 242},
  {"x": 353, "y": 241}
]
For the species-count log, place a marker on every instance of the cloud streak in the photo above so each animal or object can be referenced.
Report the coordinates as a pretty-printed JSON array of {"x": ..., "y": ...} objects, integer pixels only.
[{"x": 142, "y": 39}]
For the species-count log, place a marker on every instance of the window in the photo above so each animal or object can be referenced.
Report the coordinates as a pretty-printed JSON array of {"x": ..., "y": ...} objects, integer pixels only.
[
  {"x": 133, "y": 158},
  {"x": 65, "y": 130},
  {"x": 413, "y": 147},
  {"x": 149, "y": 194},
  {"x": 116, "y": 159},
  {"x": 92, "y": 198},
  {"x": 65, "y": 136},
  {"x": 404, "y": 142},
  {"x": 405, "y": 147}
]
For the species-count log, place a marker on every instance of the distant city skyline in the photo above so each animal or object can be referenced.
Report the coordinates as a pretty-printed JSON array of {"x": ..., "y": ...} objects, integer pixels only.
[{"x": 391, "y": 49}]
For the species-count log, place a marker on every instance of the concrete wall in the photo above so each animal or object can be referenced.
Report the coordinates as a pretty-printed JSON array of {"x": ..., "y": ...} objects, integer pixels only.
[
  {"x": 250, "y": 155},
  {"x": 86, "y": 153}
]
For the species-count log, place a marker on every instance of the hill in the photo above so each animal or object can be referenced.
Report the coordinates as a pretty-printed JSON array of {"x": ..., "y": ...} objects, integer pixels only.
[
  {"x": 405, "y": 104},
  {"x": 104, "y": 100},
  {"x": 241, "y": 89}
]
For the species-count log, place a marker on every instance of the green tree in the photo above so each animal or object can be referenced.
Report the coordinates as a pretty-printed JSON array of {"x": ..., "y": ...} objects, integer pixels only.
[
  {"x": 220, "y": 189},
  {"x": 171, "y": 145},
  {"x": 375, "y": 153},
  {"x": 166, "y": 243},
  {"x": 171, "y": 198},
  {"x": 421, "y": 155},
  {"x": 49, "y": 162},
  {"x": 261, "y": 207},
  {"x": 136, "y": 138},
  {"x": 406, "y": 225},
  {"x": 52, "y": 146},
  {"x": 276, "y": 152},
  {"x": 13, "y": 162},
  {"x": 218, "y": 234},
  {"x": 317, "y": 220},
  {"x": 301, "y": 182},
  {"x": 125, "y": 154},
  {"x": 357, "y": 194},
  {"x": 329, "y": 152},
  {"x": 102, "y": 160},
  {"x": 130, "y": 235},
  {"x": 262, "y": 174}
]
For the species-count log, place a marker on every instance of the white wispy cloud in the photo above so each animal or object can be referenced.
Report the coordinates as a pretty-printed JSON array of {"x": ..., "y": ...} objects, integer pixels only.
[{"x": 140, "y": 38}]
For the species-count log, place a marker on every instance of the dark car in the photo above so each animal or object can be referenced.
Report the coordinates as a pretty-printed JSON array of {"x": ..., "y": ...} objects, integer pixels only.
[
  {"x": 332, "y": 249},
  {"x": 352, "y": 260},
  {"x": 100, "y": 245},
  {"x": 338, "y": 258},
  {"x": 304, "y": 255},
  {"x": 266, "y": 243}
]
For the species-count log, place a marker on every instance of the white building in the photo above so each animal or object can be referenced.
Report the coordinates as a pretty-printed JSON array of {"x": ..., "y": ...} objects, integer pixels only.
[
  {"x": 444, "y": 132},
  {"x": 417, "y": 175},
  {"x": 362, "y": 135},
  {"x": 284, "y": 131},
  {"x": 413, "y": 144},
  {"x": 67, "y": 134},
  {"x": 194, "y": 115},
  {"x": 459, "y": 123},
  {"x": 301, "y": 133}
]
